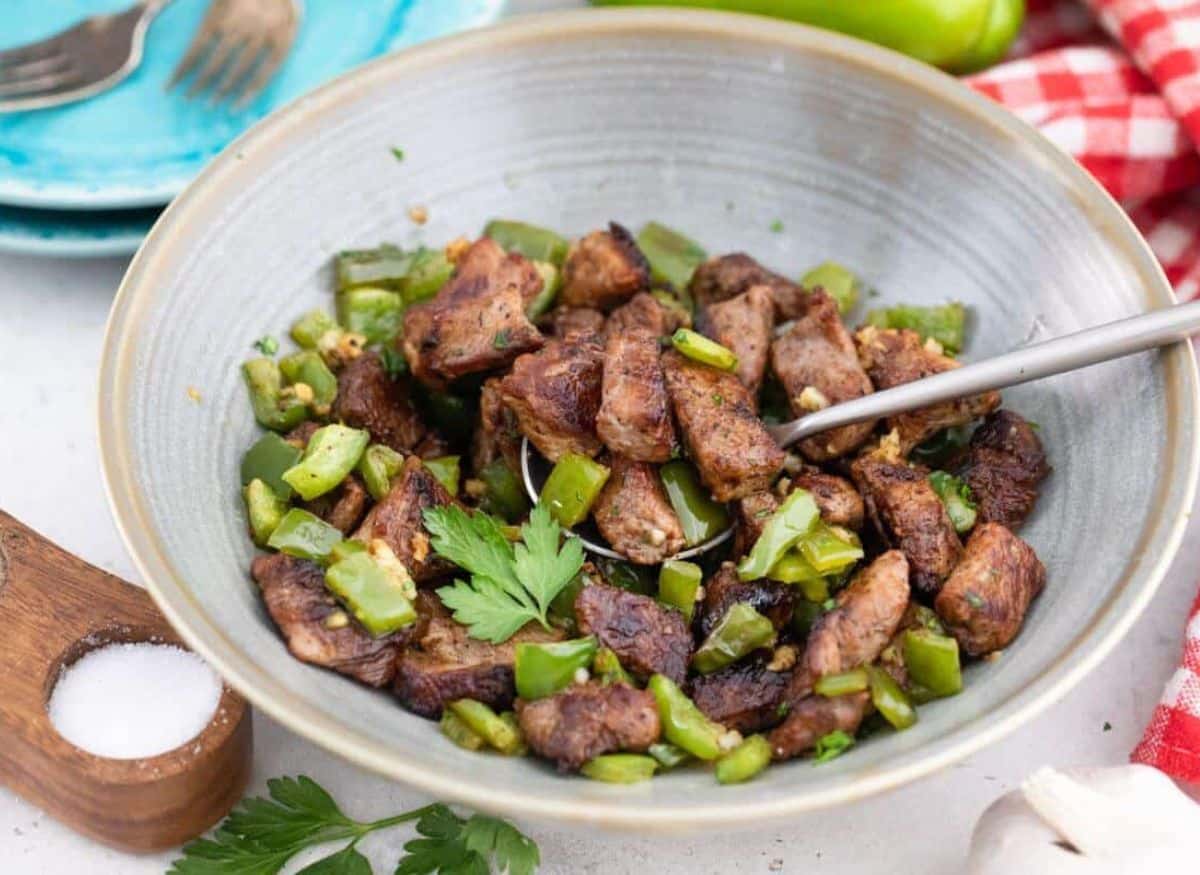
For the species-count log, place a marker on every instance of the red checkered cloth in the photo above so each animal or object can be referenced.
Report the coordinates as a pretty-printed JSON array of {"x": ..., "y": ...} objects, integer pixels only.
[{"x": 1116, "y": 84}]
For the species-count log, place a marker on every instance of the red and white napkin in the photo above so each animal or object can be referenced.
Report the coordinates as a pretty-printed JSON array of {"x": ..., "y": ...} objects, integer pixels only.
[{"x": 1116, "y": 84}]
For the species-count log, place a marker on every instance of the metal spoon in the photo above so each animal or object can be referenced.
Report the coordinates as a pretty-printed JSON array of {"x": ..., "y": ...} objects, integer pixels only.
[{"x": 1072, "y": 352}]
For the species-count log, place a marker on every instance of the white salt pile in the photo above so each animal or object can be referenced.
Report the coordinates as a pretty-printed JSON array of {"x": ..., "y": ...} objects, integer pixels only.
[{"x": 127, "y": 701}]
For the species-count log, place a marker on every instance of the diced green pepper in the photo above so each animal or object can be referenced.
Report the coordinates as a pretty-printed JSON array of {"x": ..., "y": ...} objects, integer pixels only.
[
  {"x": 543, "y": 669},
  {"x": 941, "y": 447},
  {"x": 890, "y": 700},
  {"x": 459, "y": 732},
  {"x": 673, "y": 258},
  {"x": 374, "y": 313},
  {"x": 685, "y": 725},
  {"x": 607, "y": 668},
  {"x": 535, "y": 243},
  {"x": 302, "y": 534},
  {"x": 385, "y": 267},
  {"x": 551, "y": 284},
  {"x": 927, "y": 618},
  {"x": 744, "y": 761},
  {"x": 956, "y": 496},
  {"x": 504, "y": 495},
  {"x": 309, "y": 368},
  {"x": 794, "y": 519},
  {"x": 795, "y": 568},
  {"x": 831, "y": 745},
  {"x": 308, "y": 330},
  {"x": 842, "y": 684},
  {"x": 346, "y": 548},
  {"x": 572, "y": 488},
  {"x": 741, "y": 631},
  {"x": 946, "y": 323},
  {"x": 264, "y": 510},
  {"x": 332, "y": 453},
  {"x": 678, "y": 583},
  {"x": 827, "y": 552},
  {"x": 634, "y": 578},
  {"x": 378, "y": 596},
  {"x": 485, "y": 722},
  {"x": 668, "y": 755},
  {"x": 271, "y": 409},
  {"x": 270, "y": 456},
  {"x": 839, "y": 283},
  {"x": 620, "y": 768},
  {"x": 378, "y": 465},
  {"x": 700, "y": 516},
  {"x": 699, "y": 348},
  {"x": 428, "y": 271},
  {"x": 932, "y": 661},
  {"x": 522, "y": 748},
  {"x": 446, "y": 470},
  {"x": 805, "y": 614}
]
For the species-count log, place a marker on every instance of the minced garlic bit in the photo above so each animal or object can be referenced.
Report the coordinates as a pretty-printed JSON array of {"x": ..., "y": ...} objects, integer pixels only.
[
  {"x": 193, "y": 393},
  {"x": 657, "y": 537},
  {"x": 475, "y": 488},
  {"x": 304, "y": 392},
  {"x": 418, "y": 214},
  {"x": 933, "y": 346},
  {"x": 337, "y": 620},
  {"x": 581, "y": 675},
  {"x": 793, "y": 464},
  {"x": 338, "y": 347},
  {"x": 783, "y": 659},
  {"x": 889, "y": 446},
  {"x": 456, "y": 249},
  {"x": 699, "y": 593},
  {"x": 420, "y": 546},
  {"x": 812, "y": 399},
  {"x": 994, "y": 655},
  {"x": 783, "y": 485},
  {"x": 727, "y": 741}
]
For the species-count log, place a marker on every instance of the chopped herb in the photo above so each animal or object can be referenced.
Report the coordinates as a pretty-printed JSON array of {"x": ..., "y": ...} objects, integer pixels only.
[
  {"x": 393, "y": 361},
  {"x": 267, "y": 345},
  {"x": 777, "y": 226},
  {"x": 975, "y": 600},
  {"x": 1036, "y": 426},
  {"x": 764, "y": 513},
  {"x": 1107, "y": 726},
  {"x": 501, "y": 340},
  {"x": 397, "y": 153},
  {"x": 831, "y": 745},
  {"x": 828, "y": 605},
  {"x": 718, "y": 399},
  {"x": 783, "y": 709}
]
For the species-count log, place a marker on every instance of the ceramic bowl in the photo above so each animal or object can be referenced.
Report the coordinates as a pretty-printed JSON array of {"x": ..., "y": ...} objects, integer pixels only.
[{"x": 747, "y": 134}]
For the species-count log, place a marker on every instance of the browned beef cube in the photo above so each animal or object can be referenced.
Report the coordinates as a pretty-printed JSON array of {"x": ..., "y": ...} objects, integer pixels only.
[
  {"x": 725, "y": 589},
  {"x": 604, "y": 269},
  {"x": 315, "y": 627},
  {"x": 814, "y": 717},
  {"x": 497, "y": 435},
  {"x": 893, "y": 357},
  {"x": 816, "y": 362},
  {"x": 476, "y": 322},
  {"x": 1005, "y": 464},
  {"x": 562, "y": 321},
  {"x": 836, "y": 498},
  {"x": 301, "y": 434},
  {"x": 734, "y": 453},
  {"x": 728, "y": 276},
  {"x": 743, "y": 324},
  {"x": 866, "y": 617},
  {"x": 555, "y": 394},
  {"x": 750, "y": 514},
  {"x": 911, "y": 517},
  {"x": 433, "y": 446},
  {"x": 398, "y": 520},
  {"x": 983, "y": 604},
  {"x": 445, "y": 663},
  {"x": 746, "y": 696},
  {"x": 647, "y": 637},
  {"x": 634, "y": 515},
  {"x": 342, "y": 507},
  {"x": 368, "y": 398},
  {"x": 587, "y": 720}
]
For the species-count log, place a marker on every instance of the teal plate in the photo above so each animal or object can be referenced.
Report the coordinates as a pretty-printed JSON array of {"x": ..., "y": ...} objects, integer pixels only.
[
  {"x": 139, "y": 145},
  {"x": 74, "y": 233}
]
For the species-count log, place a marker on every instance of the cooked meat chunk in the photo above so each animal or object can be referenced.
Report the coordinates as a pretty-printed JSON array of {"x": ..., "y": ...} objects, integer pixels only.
[
  {"x": 343, "y": 507},
  {"x": 983, "y": 604},
  {"x": 445, "y": 664},
  {"x": 398, "y": 521},
  {"x": 562, "y": 321},
  {"x": 634, "y": 515},
  {"x": 725, "y": 589},
  {"x": 743, "y": 324},
  {"x": 836, "y": 498},
  {"x": 866, "y": 617},
  {"x": 587, "y": 720},
  {"x": 604, "y": 269},
  {"x": 910, "y": 517},
  {"x": 750, "y": 514},
  {"x": 893, "y": 357},
  {"x": 304, "y": 610},
  {"x": 647, "y": 637},
  {"x": 816, "y": 362},
  {"x": 497, "y": 436},
  {"x": 368, "y": 398},
  {"x": 813, "y": 717},
  {"x": 555, "y": 394},
  {"x": 476, "y": 322},
  {"x": 746, "y": 696},
  {"x": 433, "y": 446},
  {"x": 1005, "y": 464},
  {"x": 635, "y": 416},
  {"x": 301, "y": 434},
  {"x": 734, "y": 453},
  {"x": 728, "y": 276}
]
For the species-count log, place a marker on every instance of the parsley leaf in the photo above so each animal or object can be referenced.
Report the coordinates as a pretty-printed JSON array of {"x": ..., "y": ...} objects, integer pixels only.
[
  {"x": 347, "y": 861},
  {"x": 453, "y": 846},
  {"x": 397, "y": 153},
  {"x": 267, "y": 345}
]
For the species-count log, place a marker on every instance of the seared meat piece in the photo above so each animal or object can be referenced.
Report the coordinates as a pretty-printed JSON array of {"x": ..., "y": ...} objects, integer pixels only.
[
  {"x": 305, "y": 611},
  {"x": 587, "y": 720},
  {"x": 497, "y": 436},
  {"x": 734, "y": 453},
  {"x": 562, "y": 321},
  {"x": 724, "y": 590},
  {"x": 604, "y": 269},
  {"x": 446, "y": 664},
  {"x": 398, "y": 521},
  {"x": 746, "y": 696},
  {"x": 555, "y": 394},
  {"x": 342, "y": 507},
  {"x": 866, "y": 617},
  {"x": 301, "y": 434},
  {"x": 635, "y": 416},
  {"x": 1005, "y": 464},
  {"x": 750, "y": 514},
  {"x": 816, "y": 354},
  {"x": 836, "y": 498},
  {"x": 983, "y": 604},
  {"x": 743, "y": 324},
  {"x": 433, "y": 446},
  {"x": 476, "y": 322},
  {"x": 911, "y": 517},
  {"x": 647, "y": 637},
  {"x": 368, "y": 398},
  {"x": 814, "y": 717},
  {"x": 634, "y": 515},
  {"x": 893, "y": 357},
  {"x": 728, "y": 276}
]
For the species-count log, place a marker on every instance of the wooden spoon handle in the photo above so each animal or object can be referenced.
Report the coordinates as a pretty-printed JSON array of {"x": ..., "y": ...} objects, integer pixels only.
[{"x": 55, "y": 608}]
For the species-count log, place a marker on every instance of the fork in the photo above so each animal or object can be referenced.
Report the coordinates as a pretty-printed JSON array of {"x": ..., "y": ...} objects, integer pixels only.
[
  {"x": 244, "y": 42},
  {"x": 83, "y": 60}
]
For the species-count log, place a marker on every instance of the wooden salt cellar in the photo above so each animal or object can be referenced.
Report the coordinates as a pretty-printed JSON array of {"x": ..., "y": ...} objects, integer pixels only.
[{"x": 54, "y": 608}]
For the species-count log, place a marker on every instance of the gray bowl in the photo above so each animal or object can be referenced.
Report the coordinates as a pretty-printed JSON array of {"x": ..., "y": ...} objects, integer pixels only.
[{"x": 720, "y": 125}]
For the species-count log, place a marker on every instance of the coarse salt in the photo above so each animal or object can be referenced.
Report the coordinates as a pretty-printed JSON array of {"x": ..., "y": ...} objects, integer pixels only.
[{"x": 127, "y": 701}]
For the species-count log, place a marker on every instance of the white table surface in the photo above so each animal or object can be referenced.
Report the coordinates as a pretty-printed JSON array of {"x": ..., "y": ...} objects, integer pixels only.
[{"x": 52, "y": 316}]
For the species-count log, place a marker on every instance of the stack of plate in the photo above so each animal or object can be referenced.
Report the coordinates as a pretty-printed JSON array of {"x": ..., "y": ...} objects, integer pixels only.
[{"x": 90, "y": 178}]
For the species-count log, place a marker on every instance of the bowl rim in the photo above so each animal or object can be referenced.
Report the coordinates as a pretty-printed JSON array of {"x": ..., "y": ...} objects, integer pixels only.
[{"x": 625, "y": 810}]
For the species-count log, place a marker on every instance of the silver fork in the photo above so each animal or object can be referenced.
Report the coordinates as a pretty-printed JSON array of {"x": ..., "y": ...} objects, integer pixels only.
[
  {"x": 244, "y": 42},
  {"x": 83, "y": 60}
]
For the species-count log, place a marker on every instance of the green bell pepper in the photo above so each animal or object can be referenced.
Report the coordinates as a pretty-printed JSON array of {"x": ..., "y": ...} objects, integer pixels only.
[
  {"x": 446, "y": 470},
  {"x": 386, "y": 267},
  {"x": 794, "y": 519},
  {"x": 264, "y": 510},
  {"x": 346, "y": 548},
  {"x": 503, "y": 496},
  {"x": 795, "y": 568},
  {"x": 932, "y": 661},
  {"x": 620, "y": 768},
  {"x": 805, "y": 614},
  {"x": 744, "y": 761},
  {"x": 700, "y": 516},
  {"x": 536, "y": 244},
  {"x": 302, "y": 534},
  {"x": 956, "y": 496},
  {"x": 839, "y": 283},
  {"x": 332, "y": 453},
  {"x": 890, "y": 700},
  {"x": 374, "y": 313},
  {"x": 483, "y": 721},
  {"x": 673, "y": 257},
  {"x": 607, "y": 668},
  {"x": 551, "y": 285},
  {"x": 378, "y": 465},
  {"x": 1005, "y": 18},
  {"x": 678, "y": 583},
  {"x": 572, "y": 488},
  {"x": 510, "y": 718},
  {"x": 828, "y": 552},
  {"x": 308, "y": 330},
  {"x": 270, "y": 456},
  {"x": 379, "y": 597},
  {"x": 685, "y": 725},
  {"x": 428, "y": 271},
  {"x": 543, "y": 669},
  {"x": 941, "y": 447},
  {"x": 842, "y": 684},
  {"x": 831, "y": 745},
  {"x": 668, "y": 755},
  {"x": 264, "y": 380},
  {"x": 699, "y": 348},
  {"x": 459, "y": 732},
  {"x": 309, "y": 368},
  {"x": 741, "y": 631},
  {"x": 946, "y": 323}
]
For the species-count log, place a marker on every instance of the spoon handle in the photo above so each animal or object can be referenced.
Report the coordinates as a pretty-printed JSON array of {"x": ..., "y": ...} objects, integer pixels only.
[{"x": 1079, "y": 350}]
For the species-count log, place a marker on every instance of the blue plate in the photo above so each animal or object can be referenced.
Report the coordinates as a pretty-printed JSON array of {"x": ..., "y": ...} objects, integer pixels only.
[
  {"x": 74, "y": 233},
  {"x": 139, "y": 145}
]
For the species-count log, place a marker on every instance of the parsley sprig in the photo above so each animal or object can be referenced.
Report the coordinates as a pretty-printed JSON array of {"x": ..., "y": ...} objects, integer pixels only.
[
  {"x": 510, "y": 584},
  {"x": 261, "y": 835}
]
